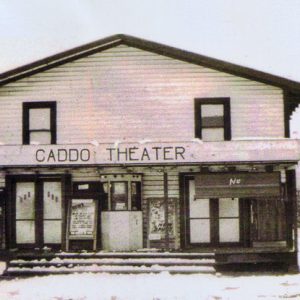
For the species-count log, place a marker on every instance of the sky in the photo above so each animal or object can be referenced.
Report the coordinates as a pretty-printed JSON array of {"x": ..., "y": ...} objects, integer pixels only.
[{"x": 260, "y": 34}]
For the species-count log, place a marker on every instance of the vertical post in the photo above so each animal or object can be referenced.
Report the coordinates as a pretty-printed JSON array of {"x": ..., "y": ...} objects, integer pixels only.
[
  {"x": 66, "y": 186},
  {"x": 292, "y": 218},
  {"x": 166, "y": 205}
]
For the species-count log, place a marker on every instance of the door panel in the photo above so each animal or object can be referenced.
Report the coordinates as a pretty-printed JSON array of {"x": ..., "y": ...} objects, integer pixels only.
[
  {"x": 229, "y": 230},
  {"x": 52, "y": 232},
  {"x": 200, "y": 231},
  {"x": 52, "y": 212},
  {"x": 25, "y": 213},
  {"x": 199, "y": 217},
  {"x": 229, "y": 223},
  {"x": 269, "y": 220}
]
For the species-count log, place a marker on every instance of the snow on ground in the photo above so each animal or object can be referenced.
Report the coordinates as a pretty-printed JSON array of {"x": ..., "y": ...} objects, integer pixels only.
[
  {"x": 152, "y": 287},
  {"x": 163, "y": 286}
]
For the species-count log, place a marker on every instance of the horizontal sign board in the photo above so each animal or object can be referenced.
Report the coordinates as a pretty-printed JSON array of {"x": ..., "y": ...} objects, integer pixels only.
[
  {"x": 150, "y": 153},
  {"x": 237, "y": 185}
]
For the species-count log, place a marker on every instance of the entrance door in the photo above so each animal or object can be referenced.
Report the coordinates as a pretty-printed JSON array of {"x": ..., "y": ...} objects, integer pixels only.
[
  {"x": 213, "y": 221},
  {"x": 38, "y": 213}
]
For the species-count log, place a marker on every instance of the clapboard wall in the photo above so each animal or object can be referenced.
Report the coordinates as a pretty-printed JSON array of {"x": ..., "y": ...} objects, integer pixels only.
[{"x": 125, "y": 93}]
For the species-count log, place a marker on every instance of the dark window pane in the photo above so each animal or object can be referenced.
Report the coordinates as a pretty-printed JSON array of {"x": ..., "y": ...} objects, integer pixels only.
[
  {"x": 136, "y": 196},
  {"x": 212, "y": 121}
]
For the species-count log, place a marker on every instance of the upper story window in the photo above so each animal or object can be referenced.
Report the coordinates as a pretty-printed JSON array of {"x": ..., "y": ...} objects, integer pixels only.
[
  {"x": 212, "y": 119},
  {"x": 39, "y": 122}
]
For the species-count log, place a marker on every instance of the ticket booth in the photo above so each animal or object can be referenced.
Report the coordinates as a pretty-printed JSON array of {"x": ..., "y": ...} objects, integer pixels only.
[{"x": 121, "y": 220}]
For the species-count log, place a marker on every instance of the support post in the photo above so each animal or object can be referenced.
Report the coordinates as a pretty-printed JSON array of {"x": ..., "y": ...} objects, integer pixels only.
[{"x": 166, "y": 206}]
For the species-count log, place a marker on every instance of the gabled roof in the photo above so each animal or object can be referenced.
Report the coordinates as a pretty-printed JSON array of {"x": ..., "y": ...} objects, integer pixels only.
[{"x": 115, "y": 40}]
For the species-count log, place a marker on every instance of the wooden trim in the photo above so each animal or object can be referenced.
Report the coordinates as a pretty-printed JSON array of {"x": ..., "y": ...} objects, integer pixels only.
[
  {"x": 227, "y": 120},
  {"x": 182, "y": 210},
  {"x": 166, "y": 205},
  {"x": 198, "y": 102},
  {"x": 39, "y": 212},
  {"x": 8, "y": 212},
  {"x": 245, "y": 209},
  {"x": 214, "y": 221},
  {"x": 197, "y": 119},
  {"x": 291, "y": 211},
  {"x": 25, "y": 119},
  {"x": 66, "y": 195},
  {"x": 291, "y": 102},
  {"x": 2, "y": 219}
]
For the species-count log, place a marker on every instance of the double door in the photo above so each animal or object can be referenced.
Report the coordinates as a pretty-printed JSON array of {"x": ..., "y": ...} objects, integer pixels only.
[
  {"x": 212, "y": 221},
  {"x": 38, "y": 213}
]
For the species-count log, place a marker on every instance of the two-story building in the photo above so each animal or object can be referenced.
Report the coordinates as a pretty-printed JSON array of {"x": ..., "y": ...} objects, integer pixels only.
[{"x": 125, "y": 144}]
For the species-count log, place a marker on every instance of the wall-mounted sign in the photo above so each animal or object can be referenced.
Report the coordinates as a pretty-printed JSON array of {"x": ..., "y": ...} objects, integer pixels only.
[
  {"x": 237, "y": 185},
  {"x": 150, "y": 153}
]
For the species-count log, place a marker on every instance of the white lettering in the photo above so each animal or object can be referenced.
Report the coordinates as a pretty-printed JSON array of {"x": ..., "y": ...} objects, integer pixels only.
[{"x": 234, "y": 181}]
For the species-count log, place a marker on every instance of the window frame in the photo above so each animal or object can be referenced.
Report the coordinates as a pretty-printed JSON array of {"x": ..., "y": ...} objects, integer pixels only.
[
  {"x": 27, "y": 106},
  {"x": 129, "y": 179},
  {"x": 212, "y": 101}
]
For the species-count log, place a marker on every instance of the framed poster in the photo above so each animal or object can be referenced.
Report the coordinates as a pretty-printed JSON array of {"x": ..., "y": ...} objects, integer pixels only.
[
  {"x": 82, "y": 220},
  {"x": 157, "y": 223}
]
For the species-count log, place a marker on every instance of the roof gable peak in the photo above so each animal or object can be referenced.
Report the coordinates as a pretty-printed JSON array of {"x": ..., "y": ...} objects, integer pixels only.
[{"x": 175, "y": 53}]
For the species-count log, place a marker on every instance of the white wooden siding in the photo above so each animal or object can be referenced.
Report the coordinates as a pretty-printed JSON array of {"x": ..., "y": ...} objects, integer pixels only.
[{"x": 125, "y": 93}]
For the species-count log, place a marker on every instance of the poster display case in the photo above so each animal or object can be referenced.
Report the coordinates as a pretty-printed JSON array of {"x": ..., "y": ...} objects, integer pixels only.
[{"x": 82, "y": 221}]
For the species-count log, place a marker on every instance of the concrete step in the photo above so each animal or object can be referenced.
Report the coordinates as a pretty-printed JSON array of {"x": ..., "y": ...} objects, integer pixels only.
[
  {"x": 47, "y": 270},
  {"x": 112, "y": 261},
  {"x": 78, "y": 255},
  {"x": 135, "y": 263}
]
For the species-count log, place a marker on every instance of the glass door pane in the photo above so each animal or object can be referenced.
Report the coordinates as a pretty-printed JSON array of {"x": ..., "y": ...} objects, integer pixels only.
[
  {"x": 52, "y": 219},
  {"x": 229, "y": 222},
  {"x": 25, "y": 213},
  {"x": 199, "y": 217}
]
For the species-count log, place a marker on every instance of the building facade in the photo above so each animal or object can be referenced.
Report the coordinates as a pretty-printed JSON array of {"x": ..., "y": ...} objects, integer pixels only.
[{"x": 125, "y": 144}]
